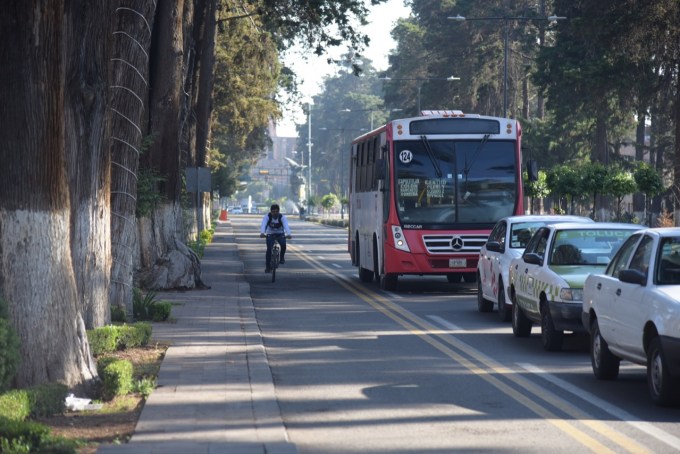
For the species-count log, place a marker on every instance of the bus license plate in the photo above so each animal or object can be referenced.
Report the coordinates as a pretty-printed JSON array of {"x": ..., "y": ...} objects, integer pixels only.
[{"x": 457, "y": 263}]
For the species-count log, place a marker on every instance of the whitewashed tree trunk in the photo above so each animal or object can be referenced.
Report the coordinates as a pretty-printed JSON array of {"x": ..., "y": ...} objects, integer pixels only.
[
  {"x": 166, "y": 261},
  {"x": 133, "y": 25},
  {"x": 36, "y": 271},
  {"x": 170, "y": 264},
  {"x": 89, "y": 166}
]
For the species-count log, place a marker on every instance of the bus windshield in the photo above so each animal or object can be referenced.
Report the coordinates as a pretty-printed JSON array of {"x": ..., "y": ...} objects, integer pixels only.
[{"x": 455, "y": 182}]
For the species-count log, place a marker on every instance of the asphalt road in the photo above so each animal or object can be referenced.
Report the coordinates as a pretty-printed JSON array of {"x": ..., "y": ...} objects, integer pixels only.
[{"x": 360, "y": 370}]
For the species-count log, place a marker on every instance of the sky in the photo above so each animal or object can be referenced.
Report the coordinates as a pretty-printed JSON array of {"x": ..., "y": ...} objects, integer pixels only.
[{"x": 381, "y": 20}]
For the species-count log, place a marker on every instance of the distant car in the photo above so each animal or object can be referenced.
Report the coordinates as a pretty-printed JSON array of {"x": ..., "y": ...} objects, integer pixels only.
[
  {"x": 236, "y": 210},
  {"x": 632, "y": 312},
  {"x": 507, "y": 241},
  {"x": 546, "y": 282}
]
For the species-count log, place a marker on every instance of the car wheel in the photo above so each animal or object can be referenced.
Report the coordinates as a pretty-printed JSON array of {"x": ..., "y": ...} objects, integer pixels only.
[
  {"x": 504, "y": 310},
  {"x": 605, "y": 363},
  {"x": 521, "y": 325},
  {"x": 659, "y": 380},
  {"x": 483, "y": 304},
  {"x": 551, "y": 338}
]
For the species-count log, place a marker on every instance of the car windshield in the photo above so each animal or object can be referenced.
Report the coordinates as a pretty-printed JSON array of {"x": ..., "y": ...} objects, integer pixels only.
[
  {"x": 447, "y": 182},
  {"x": 586, "y": 246},
  {"x": 521, "y": 233},
  {"x": 668, "y": 264}
]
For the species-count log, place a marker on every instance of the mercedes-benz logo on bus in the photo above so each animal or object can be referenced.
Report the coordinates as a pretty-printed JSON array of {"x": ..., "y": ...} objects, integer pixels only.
[{"x": 456, "y": 243}]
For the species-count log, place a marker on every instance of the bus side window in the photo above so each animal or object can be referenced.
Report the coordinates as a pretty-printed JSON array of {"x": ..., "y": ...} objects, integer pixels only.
[
  {"x": 369, "y": 167},
  {"x": 360, "y": 169},
  {"x": 363, "y": 166},
  {"x": 376, "y": 148}
]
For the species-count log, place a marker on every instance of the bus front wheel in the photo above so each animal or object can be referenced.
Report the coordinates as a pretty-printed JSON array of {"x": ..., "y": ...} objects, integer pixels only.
[{"x": 389, "y": 282}]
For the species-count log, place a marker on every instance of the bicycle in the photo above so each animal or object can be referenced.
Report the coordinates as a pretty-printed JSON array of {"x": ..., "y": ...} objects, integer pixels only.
[{"x": 276, "y": 257}]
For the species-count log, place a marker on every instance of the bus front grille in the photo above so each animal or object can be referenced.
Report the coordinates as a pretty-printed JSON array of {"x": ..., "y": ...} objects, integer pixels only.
[{"x": 456, "y": 243}]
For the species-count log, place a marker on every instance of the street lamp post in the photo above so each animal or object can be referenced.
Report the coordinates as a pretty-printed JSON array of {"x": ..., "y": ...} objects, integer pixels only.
[
  {"x": 421, "y": 81},
  {"x": 309, "y": 157},
  {"x": 505, "y": 20}
]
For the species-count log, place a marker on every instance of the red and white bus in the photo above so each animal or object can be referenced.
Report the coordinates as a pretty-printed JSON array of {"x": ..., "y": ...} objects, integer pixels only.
[{"x": 425, "y": 192}]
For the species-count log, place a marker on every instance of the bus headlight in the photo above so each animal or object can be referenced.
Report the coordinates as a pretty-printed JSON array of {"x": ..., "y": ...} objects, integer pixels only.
[{"x": 399, "y": 240}]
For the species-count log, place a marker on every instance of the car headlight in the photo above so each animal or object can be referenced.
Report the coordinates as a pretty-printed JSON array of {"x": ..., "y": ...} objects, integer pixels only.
[{"x": 571, "y": 294}]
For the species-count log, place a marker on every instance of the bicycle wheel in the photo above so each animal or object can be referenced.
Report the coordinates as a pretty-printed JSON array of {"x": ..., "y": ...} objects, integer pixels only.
[{"x": 275, "y": 262}]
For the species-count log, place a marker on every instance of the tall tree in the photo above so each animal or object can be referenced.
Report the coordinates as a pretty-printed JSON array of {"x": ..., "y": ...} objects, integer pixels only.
[
  {"x": 37, "y": 275},
  {"x": 88, "y": 160},
  {"x": 166, "y": 261},
  {"x": 128, "y": 102}
]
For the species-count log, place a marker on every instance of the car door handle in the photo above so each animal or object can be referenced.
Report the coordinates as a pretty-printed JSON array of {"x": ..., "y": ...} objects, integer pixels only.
[
  {"x": 599, "y": 286},
  {"x": 618, "y": 292},
  {"x": 526, "y": 270}
]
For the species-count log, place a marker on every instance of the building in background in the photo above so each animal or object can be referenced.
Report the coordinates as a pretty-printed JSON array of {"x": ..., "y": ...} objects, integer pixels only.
[{"x": 275, "y": 170}]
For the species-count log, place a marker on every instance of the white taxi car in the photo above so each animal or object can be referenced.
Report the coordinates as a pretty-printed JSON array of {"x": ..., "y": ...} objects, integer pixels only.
[
  {"x": 546, "y": 282},
  {"x": 633, "y": 312},
  {"x": 507, "y": 241}
]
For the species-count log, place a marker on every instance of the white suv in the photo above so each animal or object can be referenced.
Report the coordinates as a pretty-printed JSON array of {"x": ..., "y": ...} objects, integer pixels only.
[
  {"x": 632, "y": 312},
  {"x": 507, "y": 241}
]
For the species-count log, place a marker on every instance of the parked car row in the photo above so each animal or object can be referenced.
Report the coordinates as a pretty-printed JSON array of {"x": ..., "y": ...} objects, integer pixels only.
[{"x": 619, "y": 283}]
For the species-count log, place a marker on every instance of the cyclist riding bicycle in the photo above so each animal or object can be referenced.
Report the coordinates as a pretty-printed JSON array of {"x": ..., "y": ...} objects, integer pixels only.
[{"x": 275, "y": 227}]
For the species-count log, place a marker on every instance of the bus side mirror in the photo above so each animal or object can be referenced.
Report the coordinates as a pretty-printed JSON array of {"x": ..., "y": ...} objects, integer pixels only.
[
  {"x": 380, "y": 169},
  {"x": 532, "y": 170}
]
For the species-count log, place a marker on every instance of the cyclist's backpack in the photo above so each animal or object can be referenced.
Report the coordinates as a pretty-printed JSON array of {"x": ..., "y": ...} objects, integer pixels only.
[{"x": 275, "y": 224}]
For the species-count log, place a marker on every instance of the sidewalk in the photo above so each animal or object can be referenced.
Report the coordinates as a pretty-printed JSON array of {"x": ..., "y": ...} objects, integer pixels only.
[{"x": 215, "y": 389}]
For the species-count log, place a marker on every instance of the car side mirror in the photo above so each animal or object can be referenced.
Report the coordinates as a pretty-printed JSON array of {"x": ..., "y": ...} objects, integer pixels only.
[
  {"x": 633, "y": 277},
  {"x": 533, "y": 258},
  {"x": 494, "y": 246}
]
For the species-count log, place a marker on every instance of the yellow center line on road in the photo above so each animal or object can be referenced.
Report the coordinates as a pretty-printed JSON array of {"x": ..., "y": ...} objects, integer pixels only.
[{"x": 438, "y": 339}]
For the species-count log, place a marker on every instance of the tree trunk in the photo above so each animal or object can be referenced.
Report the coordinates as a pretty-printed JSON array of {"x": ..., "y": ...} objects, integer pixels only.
[
  {"x": 207, "y": 28},
  {"x": 676, "y": 152},
  {"x": 165, "y": 259},
  {"x": 133, "y": 23},
  {"x": 36, "y": 270},
  {"x": 87, "y": 154},
  {"x": 184, "y": 42},
  {"x": 640, "y": 143}
]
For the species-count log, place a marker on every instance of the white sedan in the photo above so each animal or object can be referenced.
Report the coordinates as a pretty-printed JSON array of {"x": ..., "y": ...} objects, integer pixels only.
[
  {"x": 632, "y": 312},
  {"x": 507, "y": 241},
  {"x": 546, "y": 283}
]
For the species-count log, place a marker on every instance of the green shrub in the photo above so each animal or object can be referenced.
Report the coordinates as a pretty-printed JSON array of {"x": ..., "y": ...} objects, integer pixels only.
[
  {"x": 26, "y": 437},
  {"x": 116, "y": 378},
  {"x": 9, "y": 354},
  {"x": 43, "y": 400},
  {"x": 130, "y": 336},
  {"x": 15, "y": 405},
  {"x": 161, "y": 311},
  {"x": 103, "y": 340},
  {"x": 104, "y": 361},
  {"x": 47, "y": 400},
  {"x": 144, "y": 386}
]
